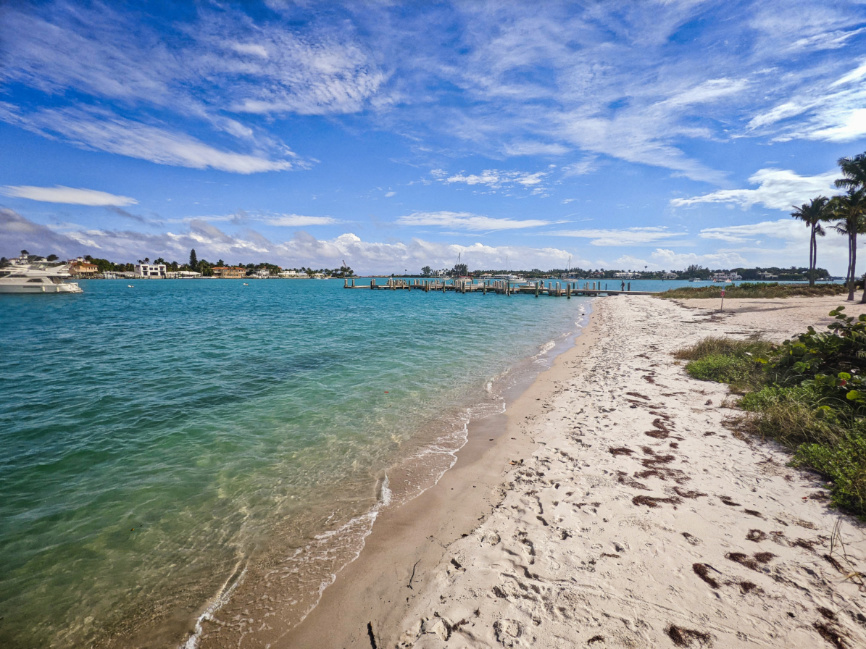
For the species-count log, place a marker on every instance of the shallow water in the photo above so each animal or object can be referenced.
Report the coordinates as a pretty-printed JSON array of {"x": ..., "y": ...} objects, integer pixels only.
[{"x": 178, "y": 441}]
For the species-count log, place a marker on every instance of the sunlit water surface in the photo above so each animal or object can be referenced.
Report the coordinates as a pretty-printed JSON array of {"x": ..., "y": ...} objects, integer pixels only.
[{"x": 176, "y": 447}]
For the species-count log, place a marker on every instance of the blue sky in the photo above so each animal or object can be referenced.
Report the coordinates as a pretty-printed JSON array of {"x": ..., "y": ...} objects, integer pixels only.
[{"x": 396, "y": 135}]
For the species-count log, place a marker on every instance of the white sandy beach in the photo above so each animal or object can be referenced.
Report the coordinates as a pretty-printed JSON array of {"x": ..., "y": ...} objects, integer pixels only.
[{"x": 616, "y": 510}]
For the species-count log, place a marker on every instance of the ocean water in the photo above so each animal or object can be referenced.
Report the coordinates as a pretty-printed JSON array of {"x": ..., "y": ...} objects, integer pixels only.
[{"x": 190, "y": 462}]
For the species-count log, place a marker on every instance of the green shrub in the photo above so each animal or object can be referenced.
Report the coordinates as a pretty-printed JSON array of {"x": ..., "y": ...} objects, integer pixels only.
[
  {"x": 809, "y": 394},
  {"x": 725, "y": 360},
  {"x": 711, "y": 346},
  {"x": 740, "y": 373},
  {"x": 776, "y": 395},
  {"x": 844, "y": 463}
]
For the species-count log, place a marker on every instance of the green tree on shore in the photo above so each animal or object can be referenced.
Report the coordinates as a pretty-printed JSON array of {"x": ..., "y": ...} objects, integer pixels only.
[
  {"x": 193, "y": 260},
  {"x": 812, "y": 214},
  {"x": 850, "y": 210},
  {"x": 854, "y": 180}
]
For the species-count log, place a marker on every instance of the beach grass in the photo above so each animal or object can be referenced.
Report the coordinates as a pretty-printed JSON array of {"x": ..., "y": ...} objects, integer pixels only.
[
  {"x": 806, "y": 394},
  {"x": 754, "y": 290},
  {"x": 726, "y": 360}
]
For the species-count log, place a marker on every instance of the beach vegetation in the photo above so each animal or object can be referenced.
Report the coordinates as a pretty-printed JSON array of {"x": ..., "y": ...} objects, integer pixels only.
[
  {"x": 809, "y": 394},
  {"x": 739, "y": 363},
  {"x": 753, "y": 290}
]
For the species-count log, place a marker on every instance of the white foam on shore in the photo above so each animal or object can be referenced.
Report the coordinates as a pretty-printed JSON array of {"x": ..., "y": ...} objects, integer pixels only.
[{"x": 216, "y": 604}]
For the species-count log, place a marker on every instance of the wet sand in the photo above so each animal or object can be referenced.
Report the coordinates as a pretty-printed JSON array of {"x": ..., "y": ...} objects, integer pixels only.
[{"x": 610, "y": 507}]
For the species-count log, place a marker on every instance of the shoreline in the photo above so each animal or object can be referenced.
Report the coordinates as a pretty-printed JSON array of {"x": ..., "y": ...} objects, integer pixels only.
[
  {"x": 408, "y": 541},
  {"x": 716, "y": 540}
]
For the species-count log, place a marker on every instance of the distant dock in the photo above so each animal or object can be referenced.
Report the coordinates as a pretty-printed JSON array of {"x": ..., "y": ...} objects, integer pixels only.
[{"x": 551, "y": 288}]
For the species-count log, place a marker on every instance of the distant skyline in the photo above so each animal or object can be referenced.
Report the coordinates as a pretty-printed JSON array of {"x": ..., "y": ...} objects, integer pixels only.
[{"x": 401, "y": 135}]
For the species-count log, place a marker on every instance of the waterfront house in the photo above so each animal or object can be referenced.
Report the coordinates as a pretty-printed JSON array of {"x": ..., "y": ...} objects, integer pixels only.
[
  {"x": 150, "y": 271},
  {"x": 82, "y": 268},
  {"x": 229, "y": 272}
]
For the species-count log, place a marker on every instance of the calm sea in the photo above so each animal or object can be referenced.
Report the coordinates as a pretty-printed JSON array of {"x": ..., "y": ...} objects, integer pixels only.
[{"x": 202, "y": 456}]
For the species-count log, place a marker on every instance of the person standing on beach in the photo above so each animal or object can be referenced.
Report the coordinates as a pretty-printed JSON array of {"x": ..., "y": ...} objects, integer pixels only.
[{"x": 622, "y": 288}]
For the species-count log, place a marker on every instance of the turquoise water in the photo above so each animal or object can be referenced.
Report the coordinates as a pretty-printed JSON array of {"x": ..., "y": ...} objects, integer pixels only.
[{"x": 184, "y": 450}]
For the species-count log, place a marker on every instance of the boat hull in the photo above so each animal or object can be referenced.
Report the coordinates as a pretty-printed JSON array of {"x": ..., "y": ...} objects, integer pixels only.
[{"x": 38, "y": 289}]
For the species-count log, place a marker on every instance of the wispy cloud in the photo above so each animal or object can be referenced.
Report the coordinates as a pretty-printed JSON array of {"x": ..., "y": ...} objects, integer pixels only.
[
  {"x": 787, "y": 229},
  {"x": 108, "y": 132},
  {"x": 623, "y": 237},
  {"x": 494, "y": 179},
  {"x": 825, "y": 109},
  {"x": 778, "y": 189},
  {"x": 298, "y": 220},
  {"x": 467, "y": 221},
  {"x": 222, "y": 61},
  {"x": 68, "y": 195},
  {"x": 639, "y": 82}
]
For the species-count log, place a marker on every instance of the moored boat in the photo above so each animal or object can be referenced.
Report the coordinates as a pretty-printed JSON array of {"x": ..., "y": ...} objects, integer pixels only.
[{"x": 22, "y": 276}]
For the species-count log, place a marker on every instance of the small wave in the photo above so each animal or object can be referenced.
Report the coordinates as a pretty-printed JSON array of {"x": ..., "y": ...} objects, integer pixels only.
[
  {"x": 385, "y": 493},
  {"x": 216, "y": 604},
  {"x": 546, "y": 347}
]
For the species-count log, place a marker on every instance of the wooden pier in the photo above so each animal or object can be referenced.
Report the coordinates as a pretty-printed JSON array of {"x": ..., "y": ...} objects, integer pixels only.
[{"x": 552, "y": 288}]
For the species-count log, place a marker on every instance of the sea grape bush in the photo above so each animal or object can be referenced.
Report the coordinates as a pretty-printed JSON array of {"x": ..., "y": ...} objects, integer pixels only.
[
  {"x": 808, "y": 393},
  {"x": 831, "y": 361}
]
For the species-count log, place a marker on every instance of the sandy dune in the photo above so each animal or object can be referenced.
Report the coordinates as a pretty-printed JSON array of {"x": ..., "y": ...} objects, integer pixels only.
[{"x": 639, "y": 520}]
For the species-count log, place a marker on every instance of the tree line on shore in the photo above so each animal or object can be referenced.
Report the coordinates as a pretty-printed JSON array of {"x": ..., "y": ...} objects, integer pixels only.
[
  {"x": 847, "y": 213},
  {"x": 792, "y": 274}
]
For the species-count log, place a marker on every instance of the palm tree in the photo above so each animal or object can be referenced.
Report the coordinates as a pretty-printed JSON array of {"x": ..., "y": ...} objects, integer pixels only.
[
  {"x": 854, "y": 172},
  {"x": 812, "y": 214},
  {"x": 850, "y": 210}
]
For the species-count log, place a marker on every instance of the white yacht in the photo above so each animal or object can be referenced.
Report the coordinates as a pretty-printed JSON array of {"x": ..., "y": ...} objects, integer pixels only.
[{"x": 25, "y": 276}]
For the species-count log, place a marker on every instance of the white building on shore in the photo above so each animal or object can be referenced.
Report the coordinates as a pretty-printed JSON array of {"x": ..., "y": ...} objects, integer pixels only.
[{"x": 150, "y": 271}]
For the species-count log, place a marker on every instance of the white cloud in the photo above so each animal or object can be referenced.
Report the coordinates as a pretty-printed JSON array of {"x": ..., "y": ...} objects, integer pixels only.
[
  {"x": 303, "y": 249},
  {"x": 68, "y": 195},
  {"x": 786, "y": 229},
  {"x": 623, "y": 237},
  {"x": 707, "y": 92},
  {"x": 107, "y": 132},
  {"x": 845, "y": 128},
  {"x": 513, "y": 79},
  {"x": 252, "y": 49},
  {"x": 528, "y": 147},
  {"x": 494, "y": 179},
  {"x": 670, "y": 260},
  {"x": 855, "y": 75},
  {"x": 467, "y": 221},
  {"x": 298, "y": 220},
  {"x": 582, "y": 167},
  {"x": 778, "y": 189},
  {"x": 830, "y": 111}
]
